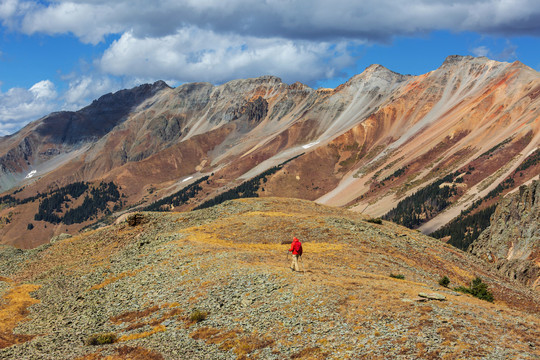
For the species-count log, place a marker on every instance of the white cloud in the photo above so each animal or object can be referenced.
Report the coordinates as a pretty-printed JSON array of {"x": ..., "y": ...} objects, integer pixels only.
[
  {"x": 43, "y": 90},
  {"x": 82, "y": 90},
  {"x": 218, "y": 40},
  {"x": 91, "y": 20},
  {"x": 8, "y": 8},
  {"x": 88, "y": 21},
  {"x": 19, "y": 106},
  {"x": 480, "y": 51},
  {"x": 202, "y": 55},
  {"x": 508, "y": 53}
]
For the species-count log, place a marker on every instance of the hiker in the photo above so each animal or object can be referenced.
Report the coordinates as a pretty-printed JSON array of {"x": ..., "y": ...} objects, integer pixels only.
[{"x": 296, "y": 248}]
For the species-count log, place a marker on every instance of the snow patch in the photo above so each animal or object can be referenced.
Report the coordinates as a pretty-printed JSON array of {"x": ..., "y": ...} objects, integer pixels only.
[
  {"x": 30, "y": 174},
  {"x": 307, "y": 146}
]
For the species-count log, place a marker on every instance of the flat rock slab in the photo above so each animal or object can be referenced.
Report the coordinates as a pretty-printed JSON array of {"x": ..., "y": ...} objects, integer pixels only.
[{"x": 432, "y": 296}]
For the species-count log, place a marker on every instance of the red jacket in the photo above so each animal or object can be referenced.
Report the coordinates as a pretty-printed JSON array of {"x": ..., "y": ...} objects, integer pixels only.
[{"x": 296, "y": 247}]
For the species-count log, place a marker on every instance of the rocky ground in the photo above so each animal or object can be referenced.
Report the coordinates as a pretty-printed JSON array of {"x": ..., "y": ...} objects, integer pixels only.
[
  {"x": 215, "y": 284},
  {"x": 512, "y": 241}
]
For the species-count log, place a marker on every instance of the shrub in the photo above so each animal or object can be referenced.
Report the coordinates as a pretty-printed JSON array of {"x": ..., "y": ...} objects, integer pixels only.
[
  {"x": 478, "y": 289},
  {"x": 444, "y": 281},
  {"x": 463, "y": 289},
  {"x": 397, "y": 276},
  {"x": 30, "y": 226},
  {"x": 375, "y": 221},
  {"x": 101, "y": 339},
  {"x": 198, "y": 315}
]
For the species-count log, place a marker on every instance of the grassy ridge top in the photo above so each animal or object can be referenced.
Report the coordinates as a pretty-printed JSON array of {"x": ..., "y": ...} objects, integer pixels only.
[{"x": 226, "y": 264}]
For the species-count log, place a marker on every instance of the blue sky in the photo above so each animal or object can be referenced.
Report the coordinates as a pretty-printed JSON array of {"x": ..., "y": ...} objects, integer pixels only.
[{"x": 60, "y": 55}]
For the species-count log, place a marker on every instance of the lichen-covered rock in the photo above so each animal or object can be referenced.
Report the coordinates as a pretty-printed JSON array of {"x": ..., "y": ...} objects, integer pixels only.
[
  {"x": 135, "y": 219},
  {"x": 432, "y": 296},
  {"x": 60, "y": 237},
  {"x": 512, "y": 241}
]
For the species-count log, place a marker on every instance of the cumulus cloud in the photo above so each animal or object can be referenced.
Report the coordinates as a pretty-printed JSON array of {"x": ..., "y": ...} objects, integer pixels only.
[
  {"x": 19, "y": 106},
  {"x": 376, "y": 20},
  {"x": 193, "y": 54},
  {"x": 480, "y": 51},
  {"x": 82, "y": 90},
  {"x": 508, "y": 53},
  {"x": 8, "y": 8},
  {"x": 217, "y": 40}
]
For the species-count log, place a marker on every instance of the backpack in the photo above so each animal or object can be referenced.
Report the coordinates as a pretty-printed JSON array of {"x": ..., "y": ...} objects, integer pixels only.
[{"x": 298, "y": 248}]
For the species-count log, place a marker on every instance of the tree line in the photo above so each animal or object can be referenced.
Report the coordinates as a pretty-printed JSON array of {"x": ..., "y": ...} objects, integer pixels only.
[
  {"x": 247, "y": 189},
  {"x": 465, "y": 229},
  {"x": 423, "y": 204},
  {"x": 178, "y": 198},
  {"x": 96, "y": 200}
]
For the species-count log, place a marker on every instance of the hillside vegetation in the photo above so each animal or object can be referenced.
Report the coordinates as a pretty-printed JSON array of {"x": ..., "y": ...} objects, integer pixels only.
[{"x": 215, "y": 283}]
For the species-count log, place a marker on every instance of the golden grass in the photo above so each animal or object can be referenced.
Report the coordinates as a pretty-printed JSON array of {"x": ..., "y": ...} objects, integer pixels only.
[
  {"x": 250, "y": 343},
  {"x": 462, "y": 273},
  {"x": 134, "y": 318},
  {"x": 269, "y": 214},
  {"x": 206, "y": 236},
  {"x": 155, "y": 330},
  {"x": 116, "y": 278},
  {"x": 134, "y": 315},
  {"x": 13, "y": 310},
  {"x": 227, "y": 340},
  {"x": 15, "y": 307},
  {"x": 154, "y": 322},
  {"x": 205, "y": 333},
  {"x": 80, "y": 253},
  {"x": 125, "y": 353}
]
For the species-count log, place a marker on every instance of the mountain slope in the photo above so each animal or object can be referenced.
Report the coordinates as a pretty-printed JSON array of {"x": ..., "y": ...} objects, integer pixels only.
[
  {"x": 368, "y": 144},
  {"x": 143, "y": 279},
  {"x": 45, "y": 144},
  {"x": 512, "y": 242}
]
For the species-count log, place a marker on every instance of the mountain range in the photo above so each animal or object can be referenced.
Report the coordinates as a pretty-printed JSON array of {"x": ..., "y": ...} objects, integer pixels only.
[
  {"x": 418, "y": 150},
  {"x": 155, "y": 222}
]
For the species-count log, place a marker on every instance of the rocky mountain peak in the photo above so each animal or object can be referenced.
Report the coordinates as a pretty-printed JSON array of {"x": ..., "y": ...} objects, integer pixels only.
[
  {"x": 98, "y": 118},
  {"x": 376, "y": 68},
  {"x": 377, "y": 76},
  {"x": 261, "y": 80},
  {"x": 299, "y": 86},
  {"x": 456, "y": 59},
  {"x": 160, "y": 85}
]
